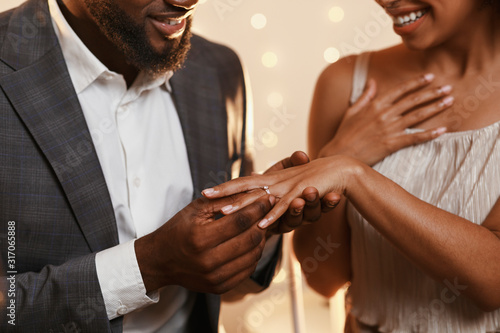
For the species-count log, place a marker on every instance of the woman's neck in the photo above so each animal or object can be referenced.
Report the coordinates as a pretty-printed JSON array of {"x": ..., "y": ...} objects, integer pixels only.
[{"x": 473, "y": 50}]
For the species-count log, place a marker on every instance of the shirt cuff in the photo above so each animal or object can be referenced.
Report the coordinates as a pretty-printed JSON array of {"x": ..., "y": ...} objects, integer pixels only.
[
  {"x": 268, "y": 252},
  {"x": 121, "y": 281}
]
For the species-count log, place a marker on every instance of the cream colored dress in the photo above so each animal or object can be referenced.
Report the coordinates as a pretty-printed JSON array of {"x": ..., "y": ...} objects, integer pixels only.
[{"x": 458, "y": 172}]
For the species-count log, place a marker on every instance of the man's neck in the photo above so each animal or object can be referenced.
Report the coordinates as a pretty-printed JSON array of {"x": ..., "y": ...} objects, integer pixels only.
[{"x": 96, "y": 41}]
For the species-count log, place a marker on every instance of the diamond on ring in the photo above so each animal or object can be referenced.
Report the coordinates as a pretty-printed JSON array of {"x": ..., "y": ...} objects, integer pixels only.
[{"x": 266, "y": 188}]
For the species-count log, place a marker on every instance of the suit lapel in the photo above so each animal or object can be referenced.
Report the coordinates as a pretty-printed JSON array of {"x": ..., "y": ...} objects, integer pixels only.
[
  {"x": 41, "y": 92},
  {"x": 203, "y": 120},
  {"x": 203, "y": 116}
]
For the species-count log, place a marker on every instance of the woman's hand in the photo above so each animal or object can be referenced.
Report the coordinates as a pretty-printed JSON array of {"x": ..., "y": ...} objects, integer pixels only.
[
  {"x": 375, "y": 127},
  {"x": 327, "y": 175},
  {"x": 307, "y": 208}
]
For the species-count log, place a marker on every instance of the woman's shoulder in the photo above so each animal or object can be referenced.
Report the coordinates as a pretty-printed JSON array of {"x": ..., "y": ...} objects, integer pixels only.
[
  {"x": 338, "y": 74},
  {"x": 334, "y": 84},
  {"x": 338, "y": 77}
]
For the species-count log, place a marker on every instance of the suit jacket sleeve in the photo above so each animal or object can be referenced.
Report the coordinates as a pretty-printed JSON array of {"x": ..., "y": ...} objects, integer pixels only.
[
  {"x": 51, "y": 186},
  {"x": 56, "y": 286}
]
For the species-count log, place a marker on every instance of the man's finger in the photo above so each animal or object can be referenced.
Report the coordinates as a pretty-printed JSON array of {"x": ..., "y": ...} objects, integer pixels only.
[
  {"x": 252, "y": 240},
  {"x": 312, "y": 209},
  {"x": 329, "y": 202},
  {"x": 293, "y": 218},
  {"x": 235, "y": 224},
  {"x": 297, "y": 158}
]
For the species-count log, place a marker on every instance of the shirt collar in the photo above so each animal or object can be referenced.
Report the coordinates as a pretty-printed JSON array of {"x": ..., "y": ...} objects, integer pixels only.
[{"x": 83, "y": 66}]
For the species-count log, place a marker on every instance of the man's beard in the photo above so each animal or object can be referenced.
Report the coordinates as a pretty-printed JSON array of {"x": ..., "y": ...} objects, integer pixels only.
[{"x": 131, "y": 39}]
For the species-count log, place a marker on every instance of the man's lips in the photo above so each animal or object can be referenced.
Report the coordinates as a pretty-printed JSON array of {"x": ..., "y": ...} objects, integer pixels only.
[
  {"x": 170, "y": 25},
  {"x": 172, "y": 16}
]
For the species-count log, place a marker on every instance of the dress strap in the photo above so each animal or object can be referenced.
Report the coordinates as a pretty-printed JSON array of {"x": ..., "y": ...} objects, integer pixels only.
[{"x": 360, "y": 76}]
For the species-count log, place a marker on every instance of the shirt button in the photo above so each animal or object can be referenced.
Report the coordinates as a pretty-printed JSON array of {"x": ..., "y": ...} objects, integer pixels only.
[
  {"x": 108, "y": 76},
  {"x": 122, "y": 310},
  {"x": 137, "y": 182},
  {"x": 124, "y": 108}
]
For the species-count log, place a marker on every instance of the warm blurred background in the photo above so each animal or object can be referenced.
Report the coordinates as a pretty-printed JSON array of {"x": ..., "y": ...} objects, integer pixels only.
[{"x": 285, "y": 44}]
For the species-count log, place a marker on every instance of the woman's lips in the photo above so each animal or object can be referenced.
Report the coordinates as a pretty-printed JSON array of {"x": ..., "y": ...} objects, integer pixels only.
[{"x": 406, "y": 23}]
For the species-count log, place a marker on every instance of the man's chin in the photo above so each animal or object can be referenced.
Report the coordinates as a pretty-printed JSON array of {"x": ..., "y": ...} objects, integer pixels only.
[
  {"x": 144, "y": 48},
  {"x": 160, "y": 57}
]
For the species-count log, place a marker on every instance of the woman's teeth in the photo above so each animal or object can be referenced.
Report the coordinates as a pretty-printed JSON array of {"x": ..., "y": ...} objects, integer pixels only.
[{"x": 409, "y": 18}]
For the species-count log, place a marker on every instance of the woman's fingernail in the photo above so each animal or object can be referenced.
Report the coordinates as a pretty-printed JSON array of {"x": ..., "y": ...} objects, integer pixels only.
[
  {"x": 445, "y": 89},
  {"x": 228, "y": 209},
  {"x": 297, "y": 211},
  {"x": 272, "y": 200},
  {"x": 429, "y": 77},
  {"x": 447, "y": 101},
  {"x": 264, "y": 223},
  {"x": 208, "y": 192},
  {"x": 439, "y": 131}
]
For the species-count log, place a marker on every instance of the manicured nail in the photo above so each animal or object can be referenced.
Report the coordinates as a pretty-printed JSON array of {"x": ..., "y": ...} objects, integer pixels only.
[
  {"x": 445, "y": 89},
  {"x": 447, "y": 101},
  {"x": 208, "y": 192},
  {"x": 272, "y": 200},
  {"x": 439, "y": 131},
  {"x": 264, "y": 223},
  {"x": 429, "y": 77},
  {"x": 228, "y": 209}
]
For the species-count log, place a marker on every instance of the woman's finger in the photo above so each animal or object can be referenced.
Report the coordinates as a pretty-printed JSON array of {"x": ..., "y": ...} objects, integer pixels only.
[
  {"x": 245, "y": 184},
  {"x": 419, "y": 137},
  {"x": 278, "y": 210},
  {"x": 243, "y": 200},
  {"x": 238, "y": 185},
  {"x": 405, "y": 88},
  {"x": 417, "y": 102},
  {"x": 417, "y": 116},
  {"x": 366, "y": 97}
]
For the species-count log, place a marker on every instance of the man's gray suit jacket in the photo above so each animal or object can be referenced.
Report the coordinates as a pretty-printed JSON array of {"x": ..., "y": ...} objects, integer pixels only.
[{"x": 52, "y": 185}]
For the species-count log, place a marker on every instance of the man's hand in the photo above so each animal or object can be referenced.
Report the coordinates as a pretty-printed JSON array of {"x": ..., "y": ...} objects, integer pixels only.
[
  {"x": 200, "y": 253},
  {"x": 306, "y": 209}
]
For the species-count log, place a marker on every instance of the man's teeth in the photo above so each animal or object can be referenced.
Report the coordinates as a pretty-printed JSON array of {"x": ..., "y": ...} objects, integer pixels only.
[
  {"x": 409, "y": 18},
  {"x": 174, "y": 22},
  {"x": 168, "y": 21}
]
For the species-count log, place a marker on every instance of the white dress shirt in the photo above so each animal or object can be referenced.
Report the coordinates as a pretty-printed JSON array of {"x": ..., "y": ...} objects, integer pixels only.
[
  {"x": 140, "y": 145},
  {"x": 141, "y": 149}
]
